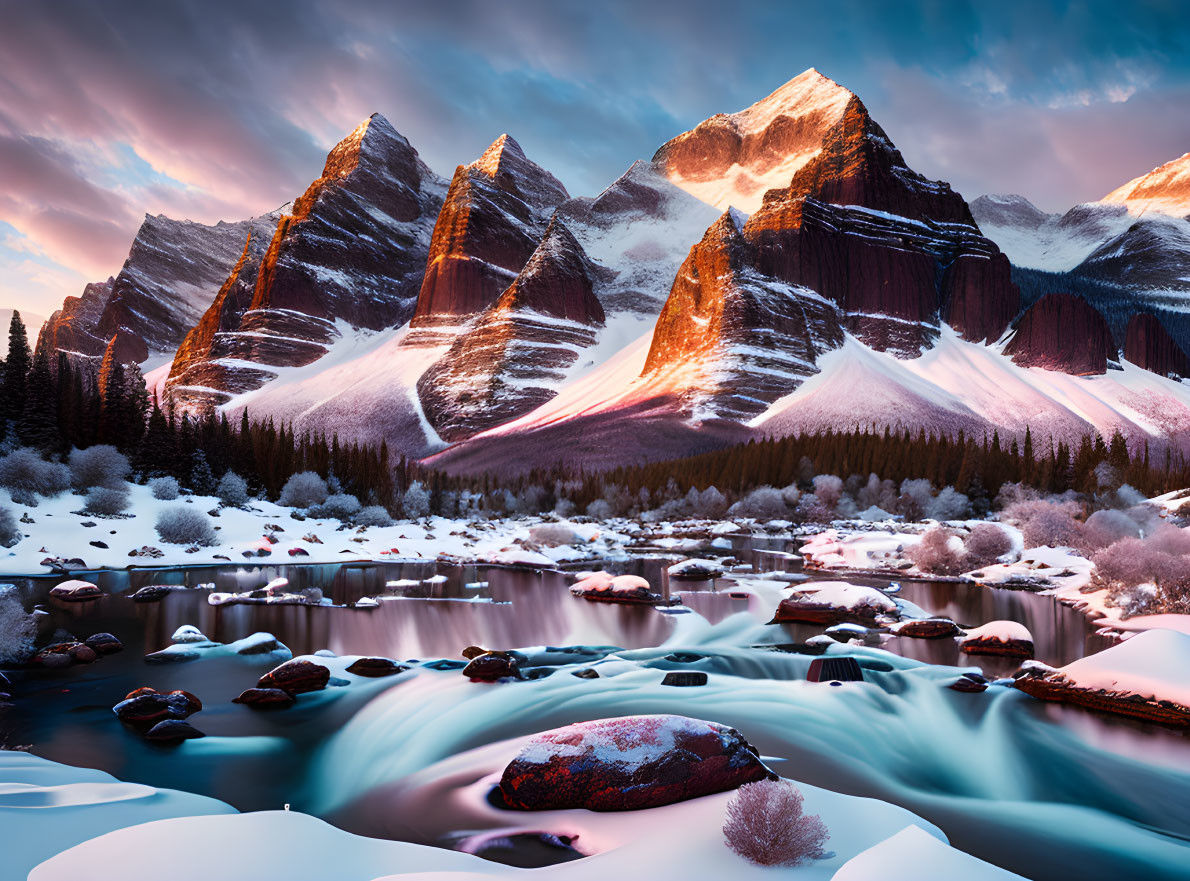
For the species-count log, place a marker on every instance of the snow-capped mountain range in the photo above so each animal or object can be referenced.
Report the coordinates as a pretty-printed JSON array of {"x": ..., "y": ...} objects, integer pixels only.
[{"x": 773, "y": 270}]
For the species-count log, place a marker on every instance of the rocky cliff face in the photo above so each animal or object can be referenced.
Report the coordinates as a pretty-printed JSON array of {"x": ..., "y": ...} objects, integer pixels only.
[
  {"x": 521, "y": 346},
  {"x": 495, "y": 213},
  {"x": 1148, "y": 344},
  {"x": 730, "y": 341},
  {"x": 1165, "y": 189},
  {"x": 351, "y": 253},
  {"x": 892, "y": 252},
  {"x": 173, "y": 271},
  {"x": 1065, "y": 333}
]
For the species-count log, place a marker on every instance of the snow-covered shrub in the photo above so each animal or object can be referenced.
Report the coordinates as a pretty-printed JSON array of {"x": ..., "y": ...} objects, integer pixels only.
[
  {"x": 303, "y": 490},
  {"x": 829, "y": 490},
  {"x": 26, "y": 475},
  {"x": 915, "y": 498},
  {"x": 232, "y": 490},
  {"x": 18, "y": 628},
  {"x": 936, "y": 554},
  {"x": 10, "y": 533},
  {"x": 765, "y": 825},
  {"x": 164, "y": 488},
  {"x": 985, "y": 545},
  {"x": 600, "y": 509},
  {"x": 876, "y": 493},
  {"x": 100, "y": 465},
  {"x": 341, "y": 506},
  {"x": 373, "y": 515},
  {"x": 565, "y": 508},
  {"x": 763, "y": 503},
  {"x": 1052, "y": 523},
  {"x": 416, "y": 501},
  {"x": 1161, "y": 559},
  {"x": 185, "y": 526},
  {"x": 106, "y": 500},
  {"x": 949, "y": 504},
  {"x": 811, "y": 509}
]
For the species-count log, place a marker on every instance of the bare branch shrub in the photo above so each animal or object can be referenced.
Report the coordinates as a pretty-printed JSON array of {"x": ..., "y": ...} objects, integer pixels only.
[{"x": 765, "y": 825}]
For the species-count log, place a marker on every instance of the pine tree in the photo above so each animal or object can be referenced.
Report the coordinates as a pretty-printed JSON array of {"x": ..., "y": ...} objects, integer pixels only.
[
  {"x": 38, "y": 424},
  {"x": 202, "y": 479},
  {"x": 16, "y": 371}
]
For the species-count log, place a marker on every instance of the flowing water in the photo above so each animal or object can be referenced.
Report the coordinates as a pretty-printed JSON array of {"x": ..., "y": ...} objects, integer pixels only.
[{"x": 1049, "y": 792}]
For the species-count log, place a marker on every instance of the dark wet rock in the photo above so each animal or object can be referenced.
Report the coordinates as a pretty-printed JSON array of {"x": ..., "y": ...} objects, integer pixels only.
[
  {"x": 834, "y": 669},
  {"x": 928, "y": 628},
  {"x": 296, "y": 676},
  {"x": 153, "y": 593},
  {"x": 298, "y": 552},
  {"x": 99, "y": 544},
  {"x": 629, "y": 589},
  {"x": 104, "y": 643},
  {"x": 629, "y": 763},
  {"x": 376, "y": 667},
  {"x": 1005, "y": 648},
  {"x": 172, "y": 731},
  {"x": 55, "y": 656},
  {"x": 147, "y": 551},
  {"x": 81, "y": 653},
  {"x": 685, "y": 678},
  {"x": 266, "y": 698},
  {"x": 586, "y": 673},
  {"x": 969, "y": 683},
  {"x": 492, "y": 665},
  {"x": 152, "y": 706}
]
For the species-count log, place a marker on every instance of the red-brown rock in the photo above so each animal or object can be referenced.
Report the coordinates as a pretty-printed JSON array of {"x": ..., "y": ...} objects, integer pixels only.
[
  {"x": 628, "y": 764},
  {"x": 1148, "y": 344},
  {"x": 265, "y": 698},
  {"x": 296, "y": 676}
]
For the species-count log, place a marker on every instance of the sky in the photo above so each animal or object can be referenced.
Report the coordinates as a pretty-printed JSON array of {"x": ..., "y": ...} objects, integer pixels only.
[{"x": 223, "y": 110}]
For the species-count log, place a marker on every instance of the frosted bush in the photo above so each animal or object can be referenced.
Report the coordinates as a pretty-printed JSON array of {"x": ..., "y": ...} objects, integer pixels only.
[
  {"x": 949, "y": 504},
  {"x": 791, "y": 494},
  {"x": 185, "y": 526},
  {"x": 416, "y": 501},
  {"x": 100, "y": 465},
  {"x": 232, "y": 490},
  {"x": 985, "y": 545},
  {"x": 26, "y": 475},
  {"x": 373, "y": 515},
  {"x": 763, "y": 503},
  {"x": 565, "y": 508},
  {"x": 876, "y": 493},
  {"x": 1046, "y": 523},
  {"x": 600, "y": 509},
  {"x": 915, "y": 498},
  {"x": 935, "y": 553},
  {"x": 811, "y": 509},
  {"x": 303, "y": 490},
  {"x": 829, "y": 489},
  {"x": 164, "y": 488},
  {"x": 10, "y": 534},
  {"x": 18, "y": 628},
  {"x": 106, "y": 500},
  {"x": 766, "y": 825},
  {"x": 341, "y": 506}
]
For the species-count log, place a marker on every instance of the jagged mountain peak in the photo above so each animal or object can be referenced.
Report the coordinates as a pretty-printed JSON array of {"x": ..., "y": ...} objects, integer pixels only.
[
  {"x": 1165, "y": 189},
  {"x": 505, "y": 164},
  {"x": 807, "y": 93}
]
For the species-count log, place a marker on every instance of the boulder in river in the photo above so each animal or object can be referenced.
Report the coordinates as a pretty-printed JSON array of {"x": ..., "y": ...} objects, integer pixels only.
[
  {"x": 603, "y": 587},
  {"x": 104, "y": 643},
  {"x": 490, "y": 665},
  {"x": 146, "y": 705},
  {"x": 927, "y": 628},
  {"x": 265, "y": 698},
  {"x": 76, "y": 591},
  {"x": 172, "y": 731},
  {"x": 298, "y": 677},
  {"x": 629, "y": 763},
  {"x": 376, "y": 667},
  {"x": 1008, "y": 639}
]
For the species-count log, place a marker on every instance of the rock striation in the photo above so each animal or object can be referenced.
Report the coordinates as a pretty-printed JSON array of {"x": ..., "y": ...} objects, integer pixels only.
[
  {"x": 1065, "y": 333},
  {"x": 1148, "y": 344},
  {"x": 351, "y": 254}
]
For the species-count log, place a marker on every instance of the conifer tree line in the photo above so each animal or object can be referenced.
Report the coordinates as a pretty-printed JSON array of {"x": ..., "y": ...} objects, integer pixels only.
[
  {"x": 976, "y": 467},
  {"x": 62, "y": 406}
]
